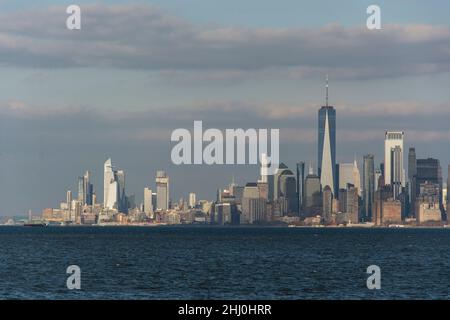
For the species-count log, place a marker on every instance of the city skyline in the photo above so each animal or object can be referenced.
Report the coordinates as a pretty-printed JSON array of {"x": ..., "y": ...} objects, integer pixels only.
[{"x": 64, "y": 114}]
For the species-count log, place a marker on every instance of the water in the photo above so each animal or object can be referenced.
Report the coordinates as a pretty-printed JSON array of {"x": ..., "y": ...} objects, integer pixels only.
[{"x": 223, "y": 263}]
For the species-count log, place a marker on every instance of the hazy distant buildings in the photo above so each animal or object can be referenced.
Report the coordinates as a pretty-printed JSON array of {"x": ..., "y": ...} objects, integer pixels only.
[
  {"x": 368, "y": 186},
  {"x": 162, "y": 191},
  {"x": 393, "y": 161}
]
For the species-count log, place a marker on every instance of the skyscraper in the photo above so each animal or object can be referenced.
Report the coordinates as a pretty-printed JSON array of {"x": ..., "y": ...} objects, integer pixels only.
[
  {"x": 429, "y": 170},
  {"x": 300, "y": 185},
  {"x": 110, "y": 186},
  {"x": 81, "y": 194},
  {"x": 378, "y": 175},
  {"x": 327, "y": 204},
  {"x": 393, "y": 160},
  {"x": 368, "y": 186},
  {"x": 148, "y": 205},
  {"x": 69, "y": 199},
  {"x": 85, "y": 189},
  {"x": 327, "y": 146},
  {"x": 122, "y": 199},
  {"x": 397, "y": 172},
  {"x": 312, "y": 193},
  {"x": 192, "y": 200},
  {"x": 412, "y": 172},
  {"x": 412, "y": 163},
  {"x": 162, "y": 190},
  {"x": 349, "y": 173},
  {"x": 265, "y": 177}
]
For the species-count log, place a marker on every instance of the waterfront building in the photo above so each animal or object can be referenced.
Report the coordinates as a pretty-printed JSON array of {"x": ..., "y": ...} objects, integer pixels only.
[
  {"x": 254, "y": 208},
  {"x": 428, "y": 203}
]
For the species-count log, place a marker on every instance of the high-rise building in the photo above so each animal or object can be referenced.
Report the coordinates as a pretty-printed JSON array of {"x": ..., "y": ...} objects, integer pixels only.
[
  {"x": 69, "y": 199},
  {"x": 254, "y": 208},
  {"x": 300, "y": 185},
  {"x": 393, "y": 161},
  {"x": 368, "y": 186},
  {"x": 412, "y": 163},
  {"x": 85, "y": 189},
  {"x": 81, "y": 194},
  {"x": 349, "y": 173},
  {"x": 192, "y": 200},
  {"x": 266, "y": 177},
  {"x": 110, "y": 186},
  {"x": 429, "y": 170},
  {"x": 327, "y": 204},
  {"x": 312, "y": 193},
  {"x": 428, "y": 208},
  {"x": 162, "y": 190},
  {"x": 412, "y": 172},
  {"x": 285, "y": 188},
  {"x": 345, "y": 174},
  {"x": 148, "y": 205},
  {"x": 327, "y": 146},
  {"x": 378, "y": 174},
  {"x": 397, "y": 172},
  {"x": 122, "y": 198}
]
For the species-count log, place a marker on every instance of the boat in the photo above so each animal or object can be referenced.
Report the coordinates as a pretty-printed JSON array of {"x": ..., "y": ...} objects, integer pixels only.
[{"x": 35, "y": 224}]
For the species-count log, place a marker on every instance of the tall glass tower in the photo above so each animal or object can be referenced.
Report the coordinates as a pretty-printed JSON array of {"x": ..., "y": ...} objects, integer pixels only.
[
  {"x": 368, "y": 186},
  {"x": 327, "y": 146}
]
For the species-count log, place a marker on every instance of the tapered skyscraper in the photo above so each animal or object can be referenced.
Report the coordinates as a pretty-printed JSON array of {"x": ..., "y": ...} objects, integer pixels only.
[{"x": 327, "y": 146}]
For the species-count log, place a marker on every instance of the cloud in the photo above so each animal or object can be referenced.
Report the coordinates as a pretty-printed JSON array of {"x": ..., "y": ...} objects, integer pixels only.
[
  {"x": 145, "y": 37},
  {"x": 297, "y": 123}
]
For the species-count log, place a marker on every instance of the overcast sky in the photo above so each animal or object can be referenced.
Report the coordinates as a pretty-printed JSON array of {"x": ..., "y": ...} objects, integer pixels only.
[{"x": 135, "y": 72}]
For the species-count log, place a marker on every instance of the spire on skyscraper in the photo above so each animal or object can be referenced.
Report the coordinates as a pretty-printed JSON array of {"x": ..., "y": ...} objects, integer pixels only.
[{"x": 326, "y": 87}]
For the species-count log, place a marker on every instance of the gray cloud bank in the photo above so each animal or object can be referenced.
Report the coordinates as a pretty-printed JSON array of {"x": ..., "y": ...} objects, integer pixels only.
[{"x": 144, "y": 37}]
